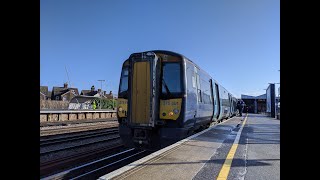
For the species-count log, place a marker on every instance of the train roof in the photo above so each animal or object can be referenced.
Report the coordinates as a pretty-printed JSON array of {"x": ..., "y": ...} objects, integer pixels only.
[
  {"x": 165, "y": 52},
  {"x": 177, "y": 54}
]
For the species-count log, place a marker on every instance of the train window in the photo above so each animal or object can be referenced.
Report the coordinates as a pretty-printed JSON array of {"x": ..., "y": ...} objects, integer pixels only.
[
  {"x": 199, "y": 96},
  {"x": 194, "y": 82},
  {"x": 198, "y": 88},
  {"x": 171, "y": 78},
  {"x": 206, "y": 92},
  {"x": 124, "y": 80},
  {"x": 198, "y": 81}
]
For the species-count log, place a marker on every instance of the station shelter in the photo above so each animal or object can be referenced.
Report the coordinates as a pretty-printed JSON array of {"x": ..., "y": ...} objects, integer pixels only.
[{"x": 256, "y": 104}]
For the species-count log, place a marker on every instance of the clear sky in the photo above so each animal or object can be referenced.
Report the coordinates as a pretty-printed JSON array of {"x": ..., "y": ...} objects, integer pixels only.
[{"x": 236, "y": 42}]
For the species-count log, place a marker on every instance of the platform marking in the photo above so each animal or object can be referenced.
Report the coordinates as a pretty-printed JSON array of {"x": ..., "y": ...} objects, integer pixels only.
[{"x": 224, "y": 172}]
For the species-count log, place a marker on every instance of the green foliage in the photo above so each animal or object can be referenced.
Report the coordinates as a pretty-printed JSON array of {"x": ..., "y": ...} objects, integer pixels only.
[
  {"x": 106, "y": 103},
  {"x": 94, "y": 106}
]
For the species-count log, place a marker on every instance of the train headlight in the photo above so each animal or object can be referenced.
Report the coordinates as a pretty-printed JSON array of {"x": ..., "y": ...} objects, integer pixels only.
[
  {"x": 170, "y": 113},
  {"x": 120, "y": 109},
  {"x": 175, "y": 111}
]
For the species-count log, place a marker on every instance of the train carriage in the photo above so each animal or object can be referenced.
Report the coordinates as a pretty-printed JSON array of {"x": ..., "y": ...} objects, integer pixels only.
[{"x": 164, "y": 97}]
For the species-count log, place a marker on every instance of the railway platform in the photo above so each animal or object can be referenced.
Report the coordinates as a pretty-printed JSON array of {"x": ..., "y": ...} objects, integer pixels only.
[{"x": 245, "y": 147}]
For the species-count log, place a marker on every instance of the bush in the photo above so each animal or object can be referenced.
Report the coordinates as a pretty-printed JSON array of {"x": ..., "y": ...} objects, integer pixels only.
[{"x": 106, "y": 103}]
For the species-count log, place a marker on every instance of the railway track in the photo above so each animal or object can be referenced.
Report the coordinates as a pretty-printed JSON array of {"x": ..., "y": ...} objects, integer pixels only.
[
  {"x": 80, "y": 144},
  {"x": 90, "y": 164},
  {"x": 79, "y": 128},
  {"x": 97, "y": 168},
  {"x": 55, "y": 139},
  {"x": 61, "y": 164},
  {"x": 108, "y": 136}
]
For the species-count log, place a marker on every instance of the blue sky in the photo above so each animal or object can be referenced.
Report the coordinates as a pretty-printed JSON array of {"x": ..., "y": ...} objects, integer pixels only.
[{"x": 236, "y": 42}]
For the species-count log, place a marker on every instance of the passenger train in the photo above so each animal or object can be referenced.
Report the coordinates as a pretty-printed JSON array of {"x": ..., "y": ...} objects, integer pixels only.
[{"x": 164, "y": 97}]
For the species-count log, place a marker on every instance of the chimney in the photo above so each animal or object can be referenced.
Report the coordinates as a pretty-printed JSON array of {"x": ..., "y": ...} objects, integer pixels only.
[
  {"x": 99, "y": 92},
  {"x": 92, "y": 88},
  {"x": 65, "y": 85}
]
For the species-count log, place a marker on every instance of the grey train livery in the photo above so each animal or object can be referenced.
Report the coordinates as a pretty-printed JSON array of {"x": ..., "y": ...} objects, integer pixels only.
[{"x": 164, "y": 97}]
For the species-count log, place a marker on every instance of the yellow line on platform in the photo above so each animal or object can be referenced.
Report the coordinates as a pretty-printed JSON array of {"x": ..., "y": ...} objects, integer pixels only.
[{"x": 224, "y": 172}]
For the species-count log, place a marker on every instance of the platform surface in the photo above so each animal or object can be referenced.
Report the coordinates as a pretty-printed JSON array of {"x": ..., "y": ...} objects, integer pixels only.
[{"x": 202, "y": 156}]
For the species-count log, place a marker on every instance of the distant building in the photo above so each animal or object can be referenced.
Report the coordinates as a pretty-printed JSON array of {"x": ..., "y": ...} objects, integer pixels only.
[
  {"x": 81, "y": 102},
  {"x": 91, "y": 92},
  {"x": 44, "y": 93},
  {"x": 64, "y": 93},
  {"x": 256, "y": 104},
  {"x": 95, "y": 93},
  {"x": 109, "y": 96},
  {"x": 49, "y": 95}
]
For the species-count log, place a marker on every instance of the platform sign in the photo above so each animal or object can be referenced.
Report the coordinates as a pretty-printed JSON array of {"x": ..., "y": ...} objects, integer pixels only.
[
  {"x": 271, "y": 100},
  {"x": 268, "y": 100}
]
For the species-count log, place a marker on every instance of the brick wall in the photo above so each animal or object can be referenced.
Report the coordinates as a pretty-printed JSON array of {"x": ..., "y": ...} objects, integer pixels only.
[{"x": 52, "y": 104}]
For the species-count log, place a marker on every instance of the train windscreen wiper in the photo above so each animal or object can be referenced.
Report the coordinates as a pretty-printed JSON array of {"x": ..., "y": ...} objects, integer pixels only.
[{"x": 165, "y": 85}]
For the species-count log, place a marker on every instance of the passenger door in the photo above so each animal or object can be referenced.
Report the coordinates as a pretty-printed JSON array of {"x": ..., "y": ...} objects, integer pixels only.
[
  {"x": 199, "y": 95},
  {"x": 216, "y": 101},
  {"x": 142, "y": 100}
]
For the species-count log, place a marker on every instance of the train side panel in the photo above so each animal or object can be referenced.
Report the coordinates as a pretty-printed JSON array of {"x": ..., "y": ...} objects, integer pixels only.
[
  {"x": 199, "y": 105},
  {"x": 205, "y": 104},
  {"x": 224, "y": 101},
  {"x": 191, "y": 99},
  {"x": 201, "y": 99}
]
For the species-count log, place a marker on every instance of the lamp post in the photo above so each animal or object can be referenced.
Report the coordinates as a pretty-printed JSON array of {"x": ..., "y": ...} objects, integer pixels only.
[
  {"x": 111, "y": 85},
  {"x": 113, "y": 100},
  {"x": 101, "y": 91}
]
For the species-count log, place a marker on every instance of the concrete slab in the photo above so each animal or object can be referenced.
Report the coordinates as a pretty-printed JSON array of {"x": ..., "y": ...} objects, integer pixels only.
[{"x": 257, "y": 155}]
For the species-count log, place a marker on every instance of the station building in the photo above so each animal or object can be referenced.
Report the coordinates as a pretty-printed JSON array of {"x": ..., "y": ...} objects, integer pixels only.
[{"x": 256, "y": 104}]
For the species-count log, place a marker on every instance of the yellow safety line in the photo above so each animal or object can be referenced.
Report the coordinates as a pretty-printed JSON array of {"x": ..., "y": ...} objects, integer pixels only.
[{"x": 224, "y": 172}]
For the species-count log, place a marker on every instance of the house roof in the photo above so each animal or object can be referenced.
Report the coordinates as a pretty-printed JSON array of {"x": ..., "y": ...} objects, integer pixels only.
[
  {"x": 61, "y": 90},
  {"x": 44, "y": 90},
  {"x": 68, "y": 92},
  {"x": 82, "y": 99},
  {"x": 42, "y": 94},
  {"x": 88, "y": 92},
  {"x": 108, "y": 96},
  {"x": 94, "y": 93}
]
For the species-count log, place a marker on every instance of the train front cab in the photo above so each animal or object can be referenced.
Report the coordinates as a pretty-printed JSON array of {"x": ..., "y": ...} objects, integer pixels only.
[{"x": 151, "y": 100}]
